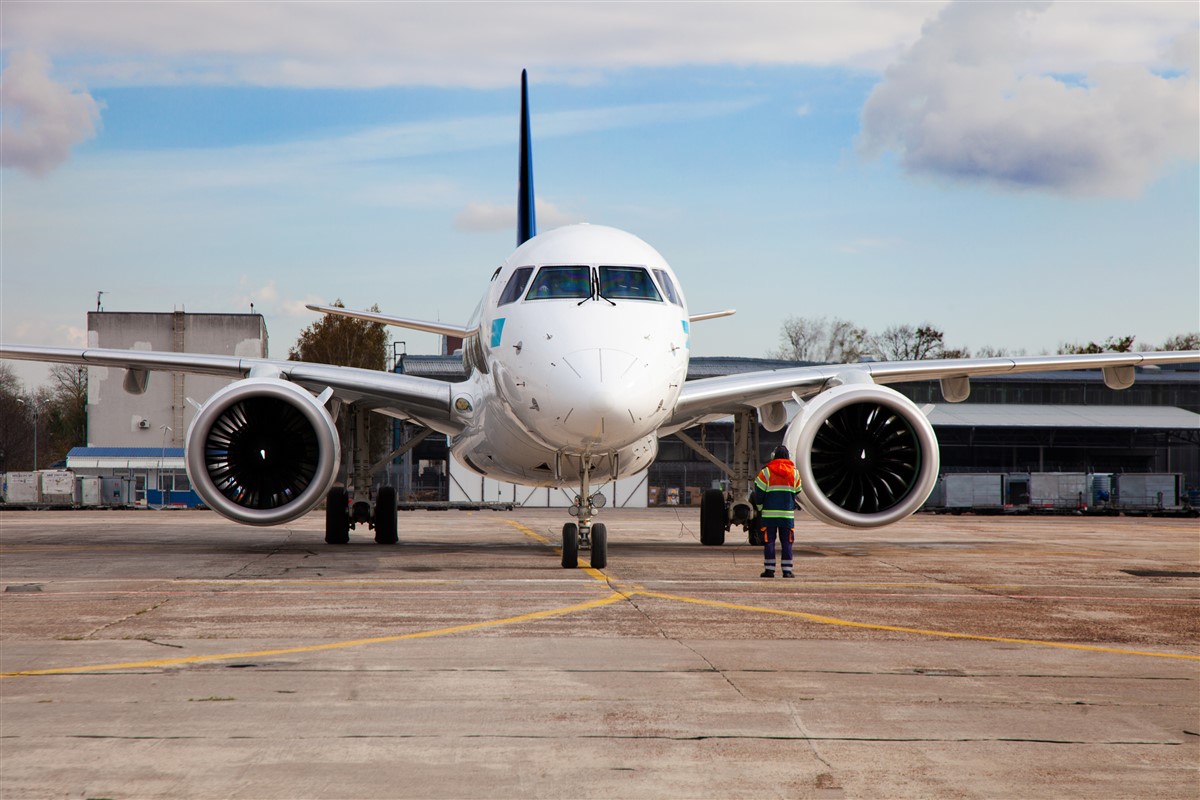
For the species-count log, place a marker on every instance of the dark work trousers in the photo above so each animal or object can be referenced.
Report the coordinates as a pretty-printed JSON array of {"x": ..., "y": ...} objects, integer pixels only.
[{"x": 787, "y": 534}]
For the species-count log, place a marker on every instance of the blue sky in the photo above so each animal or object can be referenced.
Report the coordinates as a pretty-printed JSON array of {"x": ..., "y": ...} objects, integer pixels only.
[{"x": 1020, "y": 175}]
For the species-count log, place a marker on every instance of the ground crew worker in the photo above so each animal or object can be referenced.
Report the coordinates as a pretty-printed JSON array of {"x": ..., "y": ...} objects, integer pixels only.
[{"x": 775, "y": 491}]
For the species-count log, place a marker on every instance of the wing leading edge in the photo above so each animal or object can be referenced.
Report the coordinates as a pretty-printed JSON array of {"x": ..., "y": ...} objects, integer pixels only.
[
  {"x": 709, "y": 397},
  {"x": 423, "y": 399}
]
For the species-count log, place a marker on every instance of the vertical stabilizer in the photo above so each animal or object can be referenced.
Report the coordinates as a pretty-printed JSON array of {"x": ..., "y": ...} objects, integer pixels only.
[{"x": 526, "y": 222}]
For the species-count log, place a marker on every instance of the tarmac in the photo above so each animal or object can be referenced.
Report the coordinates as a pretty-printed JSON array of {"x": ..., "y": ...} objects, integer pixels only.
[{"x": 174, "y": 654}]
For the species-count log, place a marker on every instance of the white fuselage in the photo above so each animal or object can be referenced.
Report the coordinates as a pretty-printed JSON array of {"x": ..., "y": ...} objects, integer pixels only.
[{"x": 559, "y": 374}]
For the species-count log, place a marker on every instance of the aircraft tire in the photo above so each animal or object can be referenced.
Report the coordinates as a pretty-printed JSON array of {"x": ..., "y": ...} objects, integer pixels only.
[
  {"x": 712, "y": 518},
  {"x": 599, "y": 546},
  {"x": 385, "y": 516},
  {"x": 337, "y": 516},
  {"x": 756, "y": 536},
  {"x": 570, "y": 547}
]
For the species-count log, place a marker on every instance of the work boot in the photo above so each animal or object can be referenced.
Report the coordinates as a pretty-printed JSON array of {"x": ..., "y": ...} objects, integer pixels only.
[
  {"x": 787, "y": 573},
  {"x": 767, "y": 573}
]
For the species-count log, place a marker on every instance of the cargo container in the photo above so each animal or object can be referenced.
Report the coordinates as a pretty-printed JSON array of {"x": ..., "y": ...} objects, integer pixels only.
[
  {"x": 89, "y": 491},
  {"x": 972, "y": 491},
  {"x": 23, "y": 489},
  {"x": 59, "y": 488},
  {"x": 1060, "y": 490},
  {"x": 1147, "y": 492},
  {"x": 115, "y": 491}
]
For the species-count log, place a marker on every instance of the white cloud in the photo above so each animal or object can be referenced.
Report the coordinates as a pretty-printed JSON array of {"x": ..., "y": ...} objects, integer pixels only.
[
  {"x": 502, "y": 217},
  {"x": 963, "y": 104},
  {"x": 387, "y": 44},
  {"x": 43, "y": 120}
]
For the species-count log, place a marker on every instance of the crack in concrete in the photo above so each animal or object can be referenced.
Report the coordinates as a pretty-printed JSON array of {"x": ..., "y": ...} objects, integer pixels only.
[
  {"x": 643, "y": 737},
  {"x": 127, "y": 617},
  {"x": 663, "y": 634},
  {"x": 794, "y": 713}
]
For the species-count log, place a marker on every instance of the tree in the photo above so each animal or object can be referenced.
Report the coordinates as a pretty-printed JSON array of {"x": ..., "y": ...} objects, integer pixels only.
[
  {"x": 344, "y": 341},
  {"x": 1182, "y": 341},
  {"x": 906, "y": 343},
  {"x": 821, "y": 339},
  {"x": 66, "y": 411},
  {"x": 347, "y": 342},
  {"x": 16, "y": 423},
  {"x": 1112, "y": 344}
]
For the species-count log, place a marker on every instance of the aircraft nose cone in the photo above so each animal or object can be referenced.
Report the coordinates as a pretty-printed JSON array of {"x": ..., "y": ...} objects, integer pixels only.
[
  {"x": 608, "y": 376},
  {"x": 607, "y": 370}
]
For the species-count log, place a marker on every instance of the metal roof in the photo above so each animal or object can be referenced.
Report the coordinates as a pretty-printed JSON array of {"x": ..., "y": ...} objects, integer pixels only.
[
  {"x": 125, "y": 452},
  {"x": 1013, "y": 415}
]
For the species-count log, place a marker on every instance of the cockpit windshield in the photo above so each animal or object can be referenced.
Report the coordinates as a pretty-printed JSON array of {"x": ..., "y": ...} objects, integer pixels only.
[
  {"x": 561, "y": 282},
  {"x": 668, "y": 286},
  {"x": 627, "y": 283},
  {"x": 515, "y": 286}
]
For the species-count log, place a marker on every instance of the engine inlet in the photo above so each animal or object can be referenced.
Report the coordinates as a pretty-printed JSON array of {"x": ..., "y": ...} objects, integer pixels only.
[
  {"x": 865, "y": 458},
  {"x": 261, "y": 453}
]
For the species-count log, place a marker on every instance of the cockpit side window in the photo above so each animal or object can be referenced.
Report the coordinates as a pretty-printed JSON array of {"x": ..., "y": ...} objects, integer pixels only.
[
  {"x": 668, "y": 286},
  {"x": 516, "y": 285},
  {"x": 561, "y": 282},
  {"x": 627, "y": 283}
]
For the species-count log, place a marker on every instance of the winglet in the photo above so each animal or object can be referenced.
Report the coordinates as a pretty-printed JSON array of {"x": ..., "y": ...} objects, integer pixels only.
[{"x": 526, "y": 222}]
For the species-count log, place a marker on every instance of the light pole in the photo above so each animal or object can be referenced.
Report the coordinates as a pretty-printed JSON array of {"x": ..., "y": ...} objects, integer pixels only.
[
  {"x": 37, "y": 408},
  {"x": 164, "y": 496}
]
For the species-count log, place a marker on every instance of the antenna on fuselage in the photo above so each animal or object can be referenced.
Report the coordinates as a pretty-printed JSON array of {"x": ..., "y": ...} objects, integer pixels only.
[{"x": 526, "y": 221}]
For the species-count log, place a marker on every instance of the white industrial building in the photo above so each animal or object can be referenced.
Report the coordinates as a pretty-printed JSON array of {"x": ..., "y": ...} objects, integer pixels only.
[
  {"x": 137, "y": 436},
  {"x": 158, "y": 416}
]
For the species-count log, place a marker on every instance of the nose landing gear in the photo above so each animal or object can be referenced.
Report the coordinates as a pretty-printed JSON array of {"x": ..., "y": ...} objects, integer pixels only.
[{"x": 584, "y": 535}]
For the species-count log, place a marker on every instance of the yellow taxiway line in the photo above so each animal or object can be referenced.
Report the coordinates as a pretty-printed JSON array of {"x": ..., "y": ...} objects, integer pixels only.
[
  {"x": 618, "y": 594},
  {"x": 316, "y": 648},
  {"x": 845, "y": 623}
]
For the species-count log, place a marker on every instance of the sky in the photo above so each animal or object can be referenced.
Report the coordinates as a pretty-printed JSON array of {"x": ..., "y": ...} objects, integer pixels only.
[{"x": 1020, "y": 175}]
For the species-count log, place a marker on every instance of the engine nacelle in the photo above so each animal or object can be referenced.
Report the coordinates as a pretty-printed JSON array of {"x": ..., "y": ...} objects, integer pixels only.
[
  {"x": 867, "y": 456},
  {"x": 262, "y": 451}
]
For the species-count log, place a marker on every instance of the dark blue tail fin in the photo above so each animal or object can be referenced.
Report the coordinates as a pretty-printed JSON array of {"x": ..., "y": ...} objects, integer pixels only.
[{"x": 526, "y": 221}]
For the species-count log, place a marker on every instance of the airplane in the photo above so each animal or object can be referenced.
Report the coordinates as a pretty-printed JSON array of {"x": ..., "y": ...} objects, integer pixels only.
[{"x": 576, "y": 358}]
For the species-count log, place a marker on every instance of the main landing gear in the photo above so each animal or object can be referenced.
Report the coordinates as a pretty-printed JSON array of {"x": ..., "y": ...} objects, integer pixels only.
[
  {"x": 340, "y": 514},
  {"x": 720, "y": 511},
  {"x": 583, "y": 534}
]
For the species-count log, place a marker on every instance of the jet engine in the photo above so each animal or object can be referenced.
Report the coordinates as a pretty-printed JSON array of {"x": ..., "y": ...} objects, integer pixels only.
[
  {"x": 867, "y": 456},
  {"x": 262, "y": 451}
]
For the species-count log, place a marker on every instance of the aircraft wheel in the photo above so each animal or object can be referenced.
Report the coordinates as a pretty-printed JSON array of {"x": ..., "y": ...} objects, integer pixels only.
[
  {"x": 712, "y": 517},
  {"x": 599, "y": 546},
  {"x": 337, "y": 516},
  {"x": 385, "y": 516},
  {"x": 756, "y": 534},
  {"x": 570, "y": 559}
]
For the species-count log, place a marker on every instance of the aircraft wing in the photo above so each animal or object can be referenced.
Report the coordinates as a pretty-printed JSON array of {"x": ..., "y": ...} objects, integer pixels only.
[
  {"x": 708, "y": 398},
  {"x": 440, "y": 328},
  {"x": 422, "y": 399}
]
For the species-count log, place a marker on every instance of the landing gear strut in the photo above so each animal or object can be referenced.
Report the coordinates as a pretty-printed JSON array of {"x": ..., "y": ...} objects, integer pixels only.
[
  {"x": 340, "y": 515},
  {"x": 721, "y": 510},
  {"x": 584, "y": 535}
]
